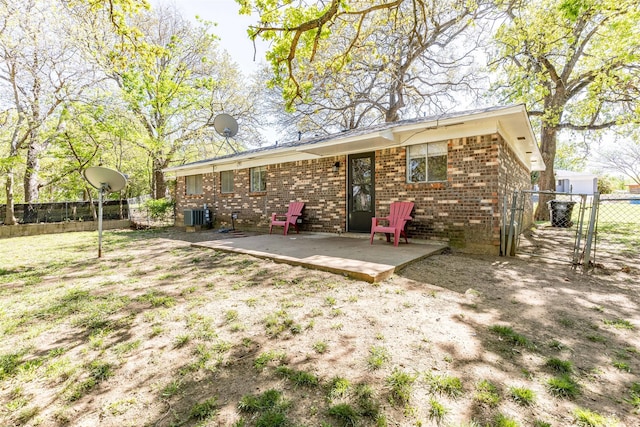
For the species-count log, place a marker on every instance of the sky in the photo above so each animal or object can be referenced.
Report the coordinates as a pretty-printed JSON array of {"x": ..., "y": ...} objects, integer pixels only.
[{"x": 231, "y": 28}]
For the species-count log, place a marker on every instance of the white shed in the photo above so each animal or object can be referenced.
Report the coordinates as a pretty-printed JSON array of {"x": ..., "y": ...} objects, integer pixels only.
[{"x": 576, "y": 182}]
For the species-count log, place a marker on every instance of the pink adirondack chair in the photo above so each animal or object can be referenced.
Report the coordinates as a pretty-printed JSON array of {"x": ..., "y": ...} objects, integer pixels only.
[
  {"x": 290, "y": 218},
  {"x": 399, "y": 214}
]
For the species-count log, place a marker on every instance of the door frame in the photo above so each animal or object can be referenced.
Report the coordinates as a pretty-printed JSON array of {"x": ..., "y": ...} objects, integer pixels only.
[{"x": 360, "y": 222}]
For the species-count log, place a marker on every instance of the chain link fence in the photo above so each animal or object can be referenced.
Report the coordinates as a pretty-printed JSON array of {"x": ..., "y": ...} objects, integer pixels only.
[
  {"x": 145, "y": 212},
  {"x": 617, "y": 231},
  {"x": 35, "y": 213},
  {"x": 587, "y": 230}
]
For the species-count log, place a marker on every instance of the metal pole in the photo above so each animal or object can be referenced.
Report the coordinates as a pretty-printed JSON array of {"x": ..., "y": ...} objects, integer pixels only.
[
  {"x": 503, "y": 237},
  {"x": 100, "y": 223},
  {"x": 511, "y": 236},
  {"x": 576, "y": 244},
  {"x": 592, "y": 224}
]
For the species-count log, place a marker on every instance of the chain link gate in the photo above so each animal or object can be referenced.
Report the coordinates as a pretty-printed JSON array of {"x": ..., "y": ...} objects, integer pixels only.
[
  {"x": 566, "y": 237},
  {"x": 617, "y": 233}
]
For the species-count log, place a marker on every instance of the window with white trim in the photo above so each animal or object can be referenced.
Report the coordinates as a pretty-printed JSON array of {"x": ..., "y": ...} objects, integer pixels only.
[
  {"x": 226, "y": 182},
  {"x": 258, "y": 179},
  {"x": 193, "y": 184},
  {"x": 427, "y": 162}
]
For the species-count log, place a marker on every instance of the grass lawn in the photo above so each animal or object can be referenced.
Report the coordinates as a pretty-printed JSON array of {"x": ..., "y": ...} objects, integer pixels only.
[{"x": 159, "y": 333}]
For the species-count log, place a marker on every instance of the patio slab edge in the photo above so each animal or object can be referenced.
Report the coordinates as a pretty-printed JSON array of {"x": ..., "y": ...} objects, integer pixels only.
[{"x": 356, "y": 269}]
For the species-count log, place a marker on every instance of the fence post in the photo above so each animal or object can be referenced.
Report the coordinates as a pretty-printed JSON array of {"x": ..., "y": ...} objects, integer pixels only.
[
  {"x": 511, "y": 223},
  {"x": 590, "y": 231},
  {"x": 503, "y": 235},
  {"x": 577, "y": 243}
]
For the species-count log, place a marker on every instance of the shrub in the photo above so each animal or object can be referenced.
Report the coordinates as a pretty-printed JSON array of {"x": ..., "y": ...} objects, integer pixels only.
[{"x": 158, "y": 208}]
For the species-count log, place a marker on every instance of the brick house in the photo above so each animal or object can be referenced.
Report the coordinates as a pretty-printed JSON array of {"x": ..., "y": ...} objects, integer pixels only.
[{"x": 457, "y": 169}]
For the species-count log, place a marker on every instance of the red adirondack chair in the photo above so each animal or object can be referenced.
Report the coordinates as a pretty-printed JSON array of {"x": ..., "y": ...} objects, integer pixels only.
[
  {"x": 399, "y": 214},
  {"x": 290, "y": 218}
]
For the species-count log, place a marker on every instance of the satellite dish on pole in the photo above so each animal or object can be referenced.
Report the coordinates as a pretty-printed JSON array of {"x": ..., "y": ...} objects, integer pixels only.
[
  {"x": 226, "y": 126},
  {"x": 105, "y": 180}
]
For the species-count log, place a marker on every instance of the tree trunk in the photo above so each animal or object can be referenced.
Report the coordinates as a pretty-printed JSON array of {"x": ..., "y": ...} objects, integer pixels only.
[
  {"x": 9, "y": 217},
  {"x": 547, "y": 180},
  {"x": 159, "y": 184},
  {"x": 31, "y": 192}
]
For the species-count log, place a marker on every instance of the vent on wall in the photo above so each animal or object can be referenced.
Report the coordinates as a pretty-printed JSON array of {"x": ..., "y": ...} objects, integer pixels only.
[{"x": 193, "y": 217}]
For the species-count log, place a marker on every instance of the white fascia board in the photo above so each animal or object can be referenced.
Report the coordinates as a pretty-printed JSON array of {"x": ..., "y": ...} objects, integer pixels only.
[
  {"x": 250, "y": 160},
  {"x": 460, "y": 130},
  {"x": 350, "y": 145}
]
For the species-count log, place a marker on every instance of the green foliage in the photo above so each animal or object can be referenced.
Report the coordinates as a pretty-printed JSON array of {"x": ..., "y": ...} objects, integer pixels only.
[
  {"x": 338, "y": 387},
  {"x": 437, "y": 411},
  {"x": 99, "y": 371},
  {"x": 268, "y": 401},
  {"x": 264, "y": 358},
  {"x": 506, "y": 332},
  {"x": 299, "y": 378},
  {"x": 588, "y": 418},
  {"x": 401, "y": 386},
  {"x": 607, "y": 184},
  {"x": 157, "y": 299},
  {"x": 378, "y": 356},
  {"x": 270, "y": 407},
  {"x": 561, "y": 366},
  {"x": 618, "y": 323},
  {"x": 445, "y": 384},
  {"x": 204, "y": 410},
  {"x": 346, "y": 414},
  {"x": 159, "y": 208},
  {"x": 9, "y": 364},
  {"x": 570, "y": 156},
  {"x": 171, "y": 389},
  {"x": 563, "y": 386},
  {"x": 502, "y": 420},
  {"x": 278, "y": 322},
  {"x": 522, "y": 396},
  {"x": 540, "y": 65},
  {"x": 634, "y": 396},
  {"x": 487, "y": 393},
  {"x": 320, "y": 347}
]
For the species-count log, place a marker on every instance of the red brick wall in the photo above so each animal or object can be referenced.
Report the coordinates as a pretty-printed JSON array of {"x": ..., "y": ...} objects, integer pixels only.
[
  {"x": 463, "y": 211},
  {"x": 312, "y": 182}
]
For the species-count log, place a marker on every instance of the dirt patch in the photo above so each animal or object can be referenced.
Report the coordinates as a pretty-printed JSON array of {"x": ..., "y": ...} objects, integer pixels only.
[{"x": 161, "y": 333}]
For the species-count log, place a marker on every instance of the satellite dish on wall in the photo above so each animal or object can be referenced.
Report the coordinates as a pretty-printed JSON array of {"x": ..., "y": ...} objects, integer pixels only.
[
  {"x": 226, "y": 126},
  {"x": 105, "y": 180}
]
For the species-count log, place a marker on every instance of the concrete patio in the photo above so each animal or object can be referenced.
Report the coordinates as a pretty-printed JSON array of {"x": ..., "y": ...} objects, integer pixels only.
[{"x": 351, "y": 255}]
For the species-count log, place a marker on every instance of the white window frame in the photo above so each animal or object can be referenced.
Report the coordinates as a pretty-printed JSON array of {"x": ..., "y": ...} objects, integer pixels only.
[
  {"x": 258, "y": 179},
  {"x": 423, "y": 152},
  {"x": 226, "y": 184},
  {"x": 193, "y": 185}
]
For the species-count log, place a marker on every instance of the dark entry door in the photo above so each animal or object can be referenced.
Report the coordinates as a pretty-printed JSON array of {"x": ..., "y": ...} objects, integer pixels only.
[{"x": 361, "y": 192}]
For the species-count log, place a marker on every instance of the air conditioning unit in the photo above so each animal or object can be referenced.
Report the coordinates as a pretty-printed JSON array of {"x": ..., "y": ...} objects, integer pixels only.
[{"x": 193, "y": 217}]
